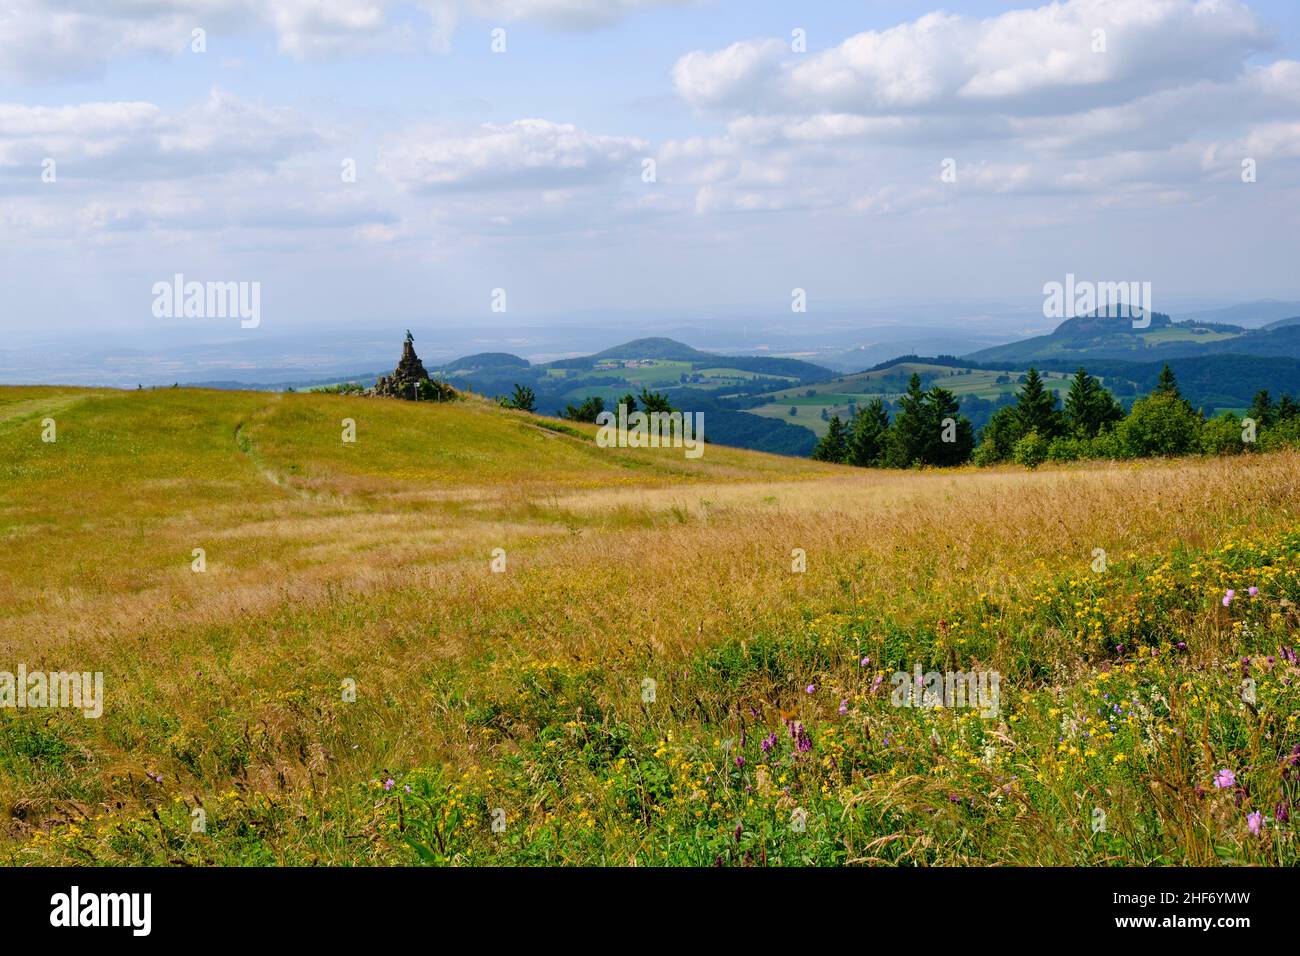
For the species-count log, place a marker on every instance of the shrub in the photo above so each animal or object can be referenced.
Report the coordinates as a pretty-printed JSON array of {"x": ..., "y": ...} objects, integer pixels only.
[
  {"x": 1067, "y": 448},
  {"x": 1222, "y": 435},
  {"x": 1161, "y": 424},
  {"x": 523, "y": 398},
  {"x": 342, "y": 388},
  {"x": 433, "y": 390},
  {"x": 1105, "y": 445},
  {"x": 1285, "y": 434},
  {"x": 1031, "y": 451}
]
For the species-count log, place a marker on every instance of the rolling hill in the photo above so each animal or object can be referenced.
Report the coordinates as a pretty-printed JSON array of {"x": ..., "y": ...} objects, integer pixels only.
[
  {"x": 1094, "y": 337},
  {"x": 1249, "y": 315},
  {"x": 694, "y": 381}
]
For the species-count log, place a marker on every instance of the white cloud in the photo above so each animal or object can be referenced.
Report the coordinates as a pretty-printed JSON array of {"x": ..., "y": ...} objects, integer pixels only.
[
  {"x": 56, "y": 40},
  {"x": 1023, "y": 61},
  {"x": 135, "y": 140},
  {"x": 568, "y": 14},
  {"x": 742, "y": 74},
  {"x": 1023, "y": 100},
  {"x": 53, "y": 40},
  {"x": 525, "y": 154}
]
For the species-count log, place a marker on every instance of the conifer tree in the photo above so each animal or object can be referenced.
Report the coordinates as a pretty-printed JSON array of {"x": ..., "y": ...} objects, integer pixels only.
[
  {"x": 834, "y": 444},
  {"x": 1036, "y": 408},
  {"x": 950, "y": 436},
  {"x": 869, "y": 434},
  {"x": 908, "y": 436},
  {"x": 1166, "y": 384},
  {"x": 1089, "y": 408},
  {"x": 1262, "y": 410}
]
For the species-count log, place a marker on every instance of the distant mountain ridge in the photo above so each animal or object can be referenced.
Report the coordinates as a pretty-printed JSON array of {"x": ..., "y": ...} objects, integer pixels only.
[
  {"x": 1102, "y": 337},
  {"x": 655, "y": 347},
  {"x": 486, "y": 360},
  {"x": 1213, "y": 381},
  {"x": 693, "y": 380},
  {"x": 1250, "y": 315}
]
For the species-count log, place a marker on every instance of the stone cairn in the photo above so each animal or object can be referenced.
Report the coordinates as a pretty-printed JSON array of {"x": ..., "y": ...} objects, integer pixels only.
[{"x": 406, "y": 378}]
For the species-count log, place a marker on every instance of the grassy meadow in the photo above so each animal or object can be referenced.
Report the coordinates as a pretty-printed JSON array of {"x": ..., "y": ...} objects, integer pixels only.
[{"x": 644, "y": 678}]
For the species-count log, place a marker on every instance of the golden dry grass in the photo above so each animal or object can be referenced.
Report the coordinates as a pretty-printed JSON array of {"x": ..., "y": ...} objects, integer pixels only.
[{"x": 371, "y": 562}]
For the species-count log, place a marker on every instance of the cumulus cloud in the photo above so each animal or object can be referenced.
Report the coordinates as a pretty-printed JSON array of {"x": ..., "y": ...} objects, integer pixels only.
[
  {"x": 140, "y": 141},
  {"x": 1086, "y": 97},
  {"x": 569, "y": 14},
  {"x": 525, "y": 154},
  {"x": 1023, "y": 61},
  {"x": 56, "y": 39},
  {"x": 746, "y": 73},
  {"x": 220, "y": 163}
]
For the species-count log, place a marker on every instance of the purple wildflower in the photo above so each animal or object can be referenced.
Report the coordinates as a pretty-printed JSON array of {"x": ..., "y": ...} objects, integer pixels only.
[
  {"x": 1225, "y": 779},
  {"x": 1255, "y": 822},
  {"x": 803, "y": 743}
]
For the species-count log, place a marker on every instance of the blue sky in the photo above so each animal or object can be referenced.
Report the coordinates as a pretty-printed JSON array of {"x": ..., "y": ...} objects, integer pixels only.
[{"x": 775, "y": 168}]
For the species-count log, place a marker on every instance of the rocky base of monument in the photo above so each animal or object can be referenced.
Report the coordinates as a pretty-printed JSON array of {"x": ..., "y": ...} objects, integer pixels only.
[{"x": 411, "y": 382}]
